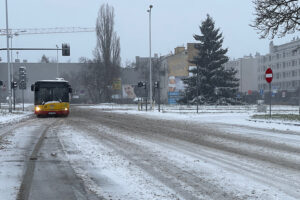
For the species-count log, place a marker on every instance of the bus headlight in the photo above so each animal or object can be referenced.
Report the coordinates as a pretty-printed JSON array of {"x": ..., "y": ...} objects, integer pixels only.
[
  {"x": 66, "y": 108},
  {"x": 37, "y": 109}
]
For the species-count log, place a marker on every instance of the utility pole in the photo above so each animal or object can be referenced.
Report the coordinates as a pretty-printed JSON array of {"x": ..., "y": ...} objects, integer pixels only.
[
  {"x": 8, "y": 61},
  {"x": 57, "y": 75},
  {"x": 150, "y": 62}
]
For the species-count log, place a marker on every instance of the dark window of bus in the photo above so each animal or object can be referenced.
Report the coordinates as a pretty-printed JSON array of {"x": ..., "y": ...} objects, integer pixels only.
[{"x": 52, "y": 94}]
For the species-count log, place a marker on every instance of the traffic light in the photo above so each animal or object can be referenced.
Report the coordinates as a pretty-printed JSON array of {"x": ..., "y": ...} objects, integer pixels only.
[
  {"x": 156, "y": 84},
  {"x": 22, "y": 78},
  {"x": 65, "y": 49},
  {"x": 140, "y": 84},
  {"x": 22, "y": 85},
  {"x": 1, "y": 83},
  {"x": 14, "y": 85}
]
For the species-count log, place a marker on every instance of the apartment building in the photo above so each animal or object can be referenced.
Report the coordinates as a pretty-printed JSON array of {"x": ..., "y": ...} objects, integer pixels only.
[
  {"x": 284, "y": 60},
  {"x": 246, "y": 68}
]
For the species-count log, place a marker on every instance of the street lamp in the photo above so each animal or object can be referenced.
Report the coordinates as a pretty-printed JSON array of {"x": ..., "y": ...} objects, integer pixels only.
[
  {"x": 57, "y": 75},
  {"x": 150, "y": 62},
  {"x": 8, "y": 61}
]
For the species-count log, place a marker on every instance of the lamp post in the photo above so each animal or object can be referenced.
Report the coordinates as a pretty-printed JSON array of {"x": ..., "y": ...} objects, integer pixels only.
[
  {"x": 57, "y": 75},
  {"x": 8, "y": 62},
  {"x": 12, "y": 68},
  {"x": 150, "y": 61}
]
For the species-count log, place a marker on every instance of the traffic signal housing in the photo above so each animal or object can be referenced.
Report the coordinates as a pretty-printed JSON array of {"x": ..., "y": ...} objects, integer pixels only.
[
  {"x": 14, "y": 85},
  {"x": 22, "y": 78},
  {"x": 22, "y": 85},
  {"x": 140, "y": 84},
  {"x": 156, "y": 84},
  {"x": 65, "y": 49}
]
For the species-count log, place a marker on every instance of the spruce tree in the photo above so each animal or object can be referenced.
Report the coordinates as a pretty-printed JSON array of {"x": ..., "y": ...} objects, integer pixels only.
[{"x": 214, "y": 82}]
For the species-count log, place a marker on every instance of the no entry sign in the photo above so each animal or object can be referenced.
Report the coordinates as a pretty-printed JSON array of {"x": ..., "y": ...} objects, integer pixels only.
[{"x": 269, "y": 75}]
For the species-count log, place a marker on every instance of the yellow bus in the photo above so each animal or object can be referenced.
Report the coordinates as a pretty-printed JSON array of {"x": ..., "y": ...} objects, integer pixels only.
[{"x": 51, "y": 97}]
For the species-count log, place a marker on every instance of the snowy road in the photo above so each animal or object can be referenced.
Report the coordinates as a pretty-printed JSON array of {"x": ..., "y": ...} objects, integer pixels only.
[
  {"x": 33, "y": 165},
  {"x": 98, "y": 154},
  {"x": 123, "y": 156}
]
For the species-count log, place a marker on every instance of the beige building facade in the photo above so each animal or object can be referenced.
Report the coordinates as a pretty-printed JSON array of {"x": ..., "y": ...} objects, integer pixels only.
[{"x": 173, "y": 68}]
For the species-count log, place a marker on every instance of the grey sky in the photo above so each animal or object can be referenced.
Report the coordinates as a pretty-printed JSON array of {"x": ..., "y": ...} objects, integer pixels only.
[{"x": 173, "y": 24}]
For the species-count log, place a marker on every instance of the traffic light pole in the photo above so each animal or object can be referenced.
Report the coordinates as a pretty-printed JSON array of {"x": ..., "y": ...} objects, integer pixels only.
[
  {"x": 29, "y": 49},
  {"x": 158, "y": 98},
  {"x": 65, "y": 49},
  {"x": 23, "y": 98},
  {"x": 14, "y": 95}
]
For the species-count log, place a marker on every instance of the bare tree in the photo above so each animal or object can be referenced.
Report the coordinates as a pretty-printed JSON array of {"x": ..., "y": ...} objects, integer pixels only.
[
  {"x": 98, "y": 74},
  {"x": 45, "y": 59},
  {"x": 276, "y": 17},
  {"x": 92, "y": 79},
  {"x": 107, "y": 51}
]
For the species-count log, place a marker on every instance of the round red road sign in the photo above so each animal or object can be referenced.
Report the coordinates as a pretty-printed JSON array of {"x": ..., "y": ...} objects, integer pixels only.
[{"x": 269, "y": 75}]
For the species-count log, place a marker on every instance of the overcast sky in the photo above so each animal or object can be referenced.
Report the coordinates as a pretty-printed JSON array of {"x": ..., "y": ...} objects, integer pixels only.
[{"x": 173, "y": 24}]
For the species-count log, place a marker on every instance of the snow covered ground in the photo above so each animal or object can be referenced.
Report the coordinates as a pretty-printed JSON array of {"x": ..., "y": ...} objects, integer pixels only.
[
  {"x": 248, "y": 159},
  {"x": 220, "y": 153},
  {"x": 231, "y": 115},
  {"x": 16, "y": 116}
]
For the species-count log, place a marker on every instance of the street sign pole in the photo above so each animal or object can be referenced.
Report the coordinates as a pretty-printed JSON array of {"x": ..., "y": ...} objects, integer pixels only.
[
  {"x": 269, "y": 78},
  {"x": 270, "y": 99}
]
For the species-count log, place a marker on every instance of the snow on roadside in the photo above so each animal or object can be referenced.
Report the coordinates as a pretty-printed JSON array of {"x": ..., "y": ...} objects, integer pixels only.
[
  {"x": 12, "y": 158},
  {"x": 16, "y": 116},
  {"x": 6, "y": 118},
  {"x": 106, "y": 172}
]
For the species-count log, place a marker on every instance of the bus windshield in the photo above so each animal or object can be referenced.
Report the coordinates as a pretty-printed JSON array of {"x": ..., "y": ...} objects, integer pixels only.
[{"x": 51, "y": 94}]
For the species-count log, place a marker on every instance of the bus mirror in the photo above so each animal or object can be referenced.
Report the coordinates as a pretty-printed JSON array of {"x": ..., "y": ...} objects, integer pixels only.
[
  {"x": 70, "y": 90},
  {"x": 32, "y": 87}
]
